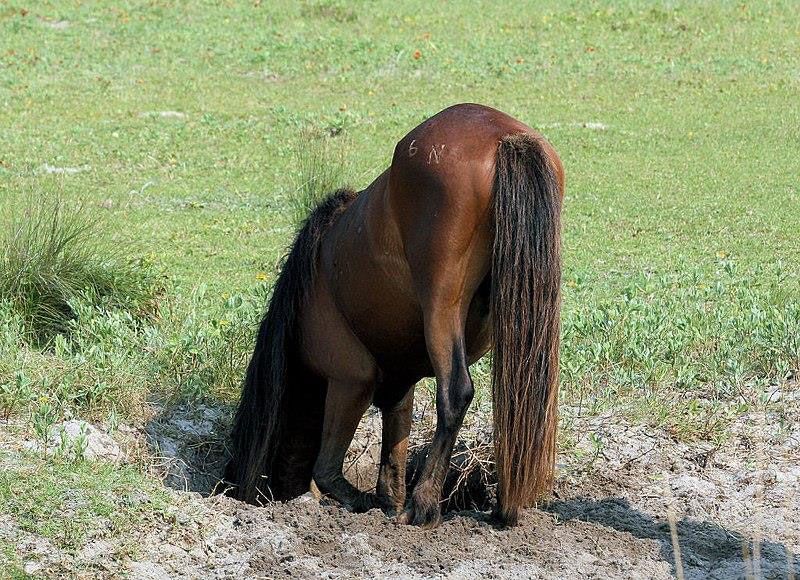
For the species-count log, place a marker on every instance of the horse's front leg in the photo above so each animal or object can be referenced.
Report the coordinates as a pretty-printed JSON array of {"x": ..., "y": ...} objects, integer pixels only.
[
  {"x": 454, "y": 392},
  {"x": 345, "y": 404}
]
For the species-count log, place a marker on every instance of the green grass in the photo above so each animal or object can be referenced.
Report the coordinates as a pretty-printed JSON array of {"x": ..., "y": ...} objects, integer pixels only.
[
  {"x": 74, "y": 502},
  {"x": 678, "y": 148},
  {"x": 193, "y": 131},
  {"x": 199, "y": 135},
  {"x": 323, "y": 167},
  {"x": 10, "y": 566},
  {"x": 697, "y": 158},
  {"x": 52, "y": 255},
  {"x": 111, "y": 363},
  {"x": 685, "y": 352},
  {"x": 69, "y": 502}
]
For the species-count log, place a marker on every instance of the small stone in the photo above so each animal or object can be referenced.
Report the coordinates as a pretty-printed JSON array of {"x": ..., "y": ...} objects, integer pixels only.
[
  {"x": 305, "y": 498},
  {"x": 32, "y": 567},
  {"x": 99, "y": 445}
]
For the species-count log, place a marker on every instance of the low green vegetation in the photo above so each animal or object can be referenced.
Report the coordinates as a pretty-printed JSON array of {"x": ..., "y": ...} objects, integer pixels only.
[
  {"x": 156, "y": 160},
  {"x": 73, "y": 502},
  {"x": 110, "y": 363},
  {"x": 10, "y": 565},
  {"x": 684, "y": 351}
]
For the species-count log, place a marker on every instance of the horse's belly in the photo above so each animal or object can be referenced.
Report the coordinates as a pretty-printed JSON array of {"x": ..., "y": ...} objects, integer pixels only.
[{"x": 388, "y": 321}]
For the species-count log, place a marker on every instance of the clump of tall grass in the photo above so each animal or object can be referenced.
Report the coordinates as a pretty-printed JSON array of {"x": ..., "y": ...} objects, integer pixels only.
[
  {"x": 322, "y": 168},
  {"x": 51, "y": 255}
]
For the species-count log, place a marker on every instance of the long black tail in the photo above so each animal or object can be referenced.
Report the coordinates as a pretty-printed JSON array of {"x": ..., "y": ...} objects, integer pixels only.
[
  {"x": 261, "y": 415},
  {"x": 526, "y": 282}
]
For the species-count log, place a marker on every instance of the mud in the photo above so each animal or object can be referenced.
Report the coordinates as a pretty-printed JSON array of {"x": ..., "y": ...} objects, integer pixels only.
[{"x": 306, "y": 539}]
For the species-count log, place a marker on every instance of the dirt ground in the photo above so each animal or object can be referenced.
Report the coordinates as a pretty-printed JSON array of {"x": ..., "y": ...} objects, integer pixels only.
[{"x": 735, "y": 510}]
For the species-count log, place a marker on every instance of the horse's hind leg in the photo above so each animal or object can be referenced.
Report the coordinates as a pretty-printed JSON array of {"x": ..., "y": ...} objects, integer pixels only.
[
  {"x": 344, "y": 406},
  {"x": 448, "y": 264},
  {"x": 391, "y": 488},
  {"x": 454, "y": 392}
]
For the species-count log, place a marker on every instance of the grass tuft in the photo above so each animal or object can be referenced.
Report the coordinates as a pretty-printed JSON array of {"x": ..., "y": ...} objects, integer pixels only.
[
  {"x": 323, "y": 168},
  {"x": 329, "y": 10},
  {"x": 53, "y": 255}
]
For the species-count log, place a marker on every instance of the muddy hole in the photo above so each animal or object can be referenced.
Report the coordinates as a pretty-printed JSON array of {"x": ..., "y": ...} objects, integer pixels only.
[{"x": 189, "y": 444}]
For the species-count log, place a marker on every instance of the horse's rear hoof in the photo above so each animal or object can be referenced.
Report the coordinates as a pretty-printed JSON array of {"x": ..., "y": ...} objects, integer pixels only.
[
  {"x": 506, "y": 518},
  {"x": 425, "y": 516}
]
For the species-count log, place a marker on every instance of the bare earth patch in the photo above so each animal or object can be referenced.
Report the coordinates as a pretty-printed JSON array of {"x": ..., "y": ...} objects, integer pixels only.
[
  {"x": 163, "y": 114},
  {"x": 736, "y": 513},
  {"x": 608, "y": 517},
  {"x": 54, "y": 170}
]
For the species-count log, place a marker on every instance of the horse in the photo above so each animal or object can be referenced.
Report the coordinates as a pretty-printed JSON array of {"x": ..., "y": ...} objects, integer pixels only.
[{"x": 452, "y": 250}]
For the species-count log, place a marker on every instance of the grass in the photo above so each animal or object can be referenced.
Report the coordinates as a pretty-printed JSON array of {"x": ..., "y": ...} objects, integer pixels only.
[
  {"x": 200, "y": 135},
  {"x": 74, "y": 502},
  {"x": 323, "y": 168},
  {"x": 682, "y": 351},
  {"x": 197, "y": 135},
  {"x": 111, "y": 363},
  {"x": 10, "y": 568},
  {"x": 52, "y": 256},
  {"x": 689, "y": 124},
  {"x": 87, "y": 330}
]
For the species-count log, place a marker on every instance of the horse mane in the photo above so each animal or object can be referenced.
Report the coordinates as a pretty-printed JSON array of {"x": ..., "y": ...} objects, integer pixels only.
[{"x": 259, "y": 420}]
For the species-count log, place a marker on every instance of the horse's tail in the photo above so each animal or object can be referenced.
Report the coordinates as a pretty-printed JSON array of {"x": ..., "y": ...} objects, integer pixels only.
[
  {"x": 261, "y": 415},
  {"x": 525, "y": 303}
]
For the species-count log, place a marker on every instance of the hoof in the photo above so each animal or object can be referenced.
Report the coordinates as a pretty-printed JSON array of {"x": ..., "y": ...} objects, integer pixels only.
[
  {"x": 423, "y": 513},
  {"x": 506, "y": 518},
  {"x": 389, "y": 505},
  {"x": 364, "y": 502}
]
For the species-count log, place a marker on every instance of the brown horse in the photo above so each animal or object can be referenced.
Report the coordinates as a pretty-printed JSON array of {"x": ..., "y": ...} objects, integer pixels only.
[{"x": 454, "y": 248}]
